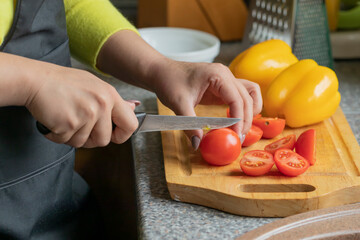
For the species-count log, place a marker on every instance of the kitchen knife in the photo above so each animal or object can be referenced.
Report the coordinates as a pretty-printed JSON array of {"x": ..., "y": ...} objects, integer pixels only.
[{"x": 152, "y": 122}]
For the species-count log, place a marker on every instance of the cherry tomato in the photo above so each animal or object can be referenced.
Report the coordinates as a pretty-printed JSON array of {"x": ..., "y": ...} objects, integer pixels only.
[
  {"x": 290, "y": 163},
  {"x": 270, "y": 126},
  {"x": 306, "y": 144},
  {"x": 220, "y": 146},
  {"x": 254, "y": 135},
  {"x": 256, "y": 162},
  {"x": 287, "y": 142}
]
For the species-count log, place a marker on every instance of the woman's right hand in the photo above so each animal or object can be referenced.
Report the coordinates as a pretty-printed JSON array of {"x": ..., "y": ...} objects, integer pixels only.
[{"x": 79, "y": 108}]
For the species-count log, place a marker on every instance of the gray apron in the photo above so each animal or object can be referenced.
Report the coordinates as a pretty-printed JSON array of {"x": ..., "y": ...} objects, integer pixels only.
[{"x": 41, "y": 197}]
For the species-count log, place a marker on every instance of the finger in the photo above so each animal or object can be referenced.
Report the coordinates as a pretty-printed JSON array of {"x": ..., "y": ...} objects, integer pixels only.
[
  {"x": 80, "y": 137},
  {"x": 62, "y": 132},
  {"x": 248, "y": 108},
  {"x": 255, "y": 93},
  {"x": 100, "y": 135},
  {"x": 230, "y": 95},
  {"x": 125, "y": 120},
  {"x": 195, "y": 136}
]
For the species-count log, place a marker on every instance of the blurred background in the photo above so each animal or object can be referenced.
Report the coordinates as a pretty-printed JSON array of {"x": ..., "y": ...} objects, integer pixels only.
[{"x": 332, "y": 25}]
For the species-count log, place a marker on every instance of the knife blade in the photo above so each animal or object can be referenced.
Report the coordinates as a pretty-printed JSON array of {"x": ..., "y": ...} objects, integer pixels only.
[{"x": 153, "y": 122}]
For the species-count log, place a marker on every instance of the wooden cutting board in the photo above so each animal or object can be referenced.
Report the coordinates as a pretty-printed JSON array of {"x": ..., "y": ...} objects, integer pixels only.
[{"x": 334, "y": 179}]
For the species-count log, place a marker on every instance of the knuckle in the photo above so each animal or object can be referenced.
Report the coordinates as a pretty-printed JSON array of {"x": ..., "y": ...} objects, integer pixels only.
[
  {"x": 90, "y": 112},
  {"x": 102, "y": 142},
  {"x": 72, "y": 123},
  {"x": 256, "y": 88}
]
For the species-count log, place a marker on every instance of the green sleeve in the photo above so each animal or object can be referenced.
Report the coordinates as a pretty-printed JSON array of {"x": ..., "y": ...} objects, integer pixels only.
[{"x": 89, "y": 24}]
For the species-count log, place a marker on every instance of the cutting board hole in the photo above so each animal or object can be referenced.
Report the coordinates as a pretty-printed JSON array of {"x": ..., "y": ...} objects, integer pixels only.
[{"x": 272, "y": 188}]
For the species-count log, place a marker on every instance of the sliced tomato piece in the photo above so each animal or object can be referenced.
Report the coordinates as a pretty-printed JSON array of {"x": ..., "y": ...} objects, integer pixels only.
[
  {"x": 306, "y": 145},
  {"x": 256, "y": 162},
  {"x": 287, "y": 142},
  {"x": 271, "y": 126},
  {"x": 255, "y": 133},
  {"x": 290, "y": 163}
]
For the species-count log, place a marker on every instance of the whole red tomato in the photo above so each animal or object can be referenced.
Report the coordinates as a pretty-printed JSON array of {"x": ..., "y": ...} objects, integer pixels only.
[{"x": 220, "y": 146}]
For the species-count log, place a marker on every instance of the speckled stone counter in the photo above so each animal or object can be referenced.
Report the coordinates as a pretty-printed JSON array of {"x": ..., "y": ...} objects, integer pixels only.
[{"x": 160, "y": 217}]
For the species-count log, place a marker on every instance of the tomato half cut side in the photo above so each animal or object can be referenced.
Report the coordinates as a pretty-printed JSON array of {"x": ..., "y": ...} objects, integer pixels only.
[
  {"x": 306, "y": 145},
  {"x": 290, "y": 163},
  {"x": 256, "y": 162},
  {"x": 220, "y": 146},
  {"x": 287, "y": 142},
  {"x": 255, "y": 133},
  {"x": 271, "y": 127}
]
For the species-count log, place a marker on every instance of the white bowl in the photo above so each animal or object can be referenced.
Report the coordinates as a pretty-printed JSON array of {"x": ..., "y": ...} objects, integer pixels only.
[{"x": 182, "y": 44}]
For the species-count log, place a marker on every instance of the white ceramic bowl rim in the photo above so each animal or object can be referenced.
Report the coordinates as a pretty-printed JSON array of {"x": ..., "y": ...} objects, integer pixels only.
[{"x": 210, "y": 44}]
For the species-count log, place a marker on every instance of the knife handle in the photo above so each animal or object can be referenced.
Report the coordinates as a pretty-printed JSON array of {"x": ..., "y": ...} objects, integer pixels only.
[{"x": 139, "y": 115}]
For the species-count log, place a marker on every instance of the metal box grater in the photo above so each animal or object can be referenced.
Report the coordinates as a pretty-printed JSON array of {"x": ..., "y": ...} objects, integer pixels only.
[{"x": 300, "y": 23}]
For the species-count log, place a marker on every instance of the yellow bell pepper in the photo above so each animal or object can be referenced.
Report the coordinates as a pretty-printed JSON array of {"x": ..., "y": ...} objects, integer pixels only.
[
  {"x": 262, "y": 62},
  {"x": 304, "y": 93}
]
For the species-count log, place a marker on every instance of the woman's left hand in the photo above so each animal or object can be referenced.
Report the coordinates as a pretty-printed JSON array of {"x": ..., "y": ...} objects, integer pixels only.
[{"x": 182, "y": 85}]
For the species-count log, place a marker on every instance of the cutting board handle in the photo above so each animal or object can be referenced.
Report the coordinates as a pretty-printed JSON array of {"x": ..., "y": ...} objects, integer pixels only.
[{"x": 272, "y": 188}]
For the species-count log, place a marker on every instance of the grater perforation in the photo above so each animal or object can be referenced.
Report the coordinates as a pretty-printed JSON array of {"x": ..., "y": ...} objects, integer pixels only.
[{"x": 300, "y": 23}]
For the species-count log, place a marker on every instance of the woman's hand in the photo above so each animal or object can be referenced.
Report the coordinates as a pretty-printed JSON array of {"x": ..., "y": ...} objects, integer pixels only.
[
  {"x": 181, "y": 86},
  {"x": 79, "y": 108},
  {"x": 76, "y": 106}
]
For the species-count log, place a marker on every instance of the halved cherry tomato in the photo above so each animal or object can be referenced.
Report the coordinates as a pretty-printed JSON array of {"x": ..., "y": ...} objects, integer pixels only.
[
  {"x": 290, "y": 163},
  {"x": 285, "y": 142},
  {"x": 270, "y": 126},
  {"x": 306, "y": 144},
  {"x": 256, "y": 162},
  {"x": 254, "y": 135},
  {"x": 220, "y": 146}
]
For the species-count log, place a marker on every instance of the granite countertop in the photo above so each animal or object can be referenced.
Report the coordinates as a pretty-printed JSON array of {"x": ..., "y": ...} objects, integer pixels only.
[{"x": 159, "y": 216}]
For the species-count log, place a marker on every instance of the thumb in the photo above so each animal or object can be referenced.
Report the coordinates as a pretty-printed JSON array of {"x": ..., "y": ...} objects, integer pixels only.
[{"x": 195, "y": 136}]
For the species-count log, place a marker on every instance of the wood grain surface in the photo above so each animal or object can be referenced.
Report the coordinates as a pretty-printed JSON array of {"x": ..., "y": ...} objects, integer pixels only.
[{"x": 334, "y": 179}]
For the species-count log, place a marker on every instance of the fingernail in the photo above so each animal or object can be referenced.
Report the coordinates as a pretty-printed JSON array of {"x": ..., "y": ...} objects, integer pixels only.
[
  {"x": 195, "y": 142},
  {"x": 242, "y": 138},
  {"x": 136, "y": 102}
]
